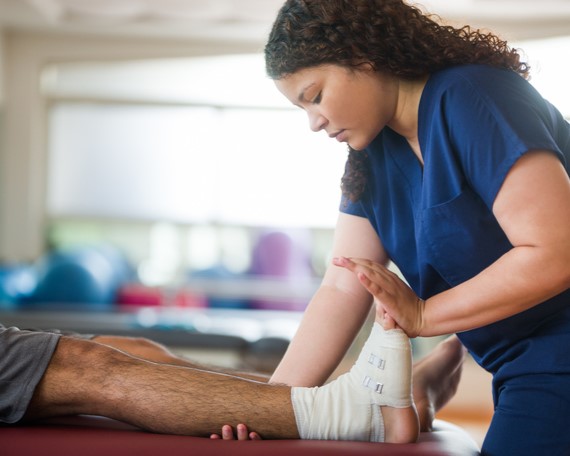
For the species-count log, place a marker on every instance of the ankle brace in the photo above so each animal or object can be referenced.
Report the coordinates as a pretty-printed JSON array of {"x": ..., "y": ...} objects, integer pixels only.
[{"x": 348, "y": 408}]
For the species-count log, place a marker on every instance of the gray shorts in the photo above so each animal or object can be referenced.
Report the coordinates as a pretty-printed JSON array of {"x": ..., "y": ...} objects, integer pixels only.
[{"x": 24, "y": 357}]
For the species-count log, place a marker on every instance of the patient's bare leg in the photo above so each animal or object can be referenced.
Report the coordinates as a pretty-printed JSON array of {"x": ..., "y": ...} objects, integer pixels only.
[
  {"x": 404, "y": 419},
  {"x": 85, "y": 377}
]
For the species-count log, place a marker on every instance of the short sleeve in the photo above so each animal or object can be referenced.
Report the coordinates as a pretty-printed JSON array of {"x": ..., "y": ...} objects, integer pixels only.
[
  {"x": 351, "y": 208},
  {"x": 492, "y": 122}
]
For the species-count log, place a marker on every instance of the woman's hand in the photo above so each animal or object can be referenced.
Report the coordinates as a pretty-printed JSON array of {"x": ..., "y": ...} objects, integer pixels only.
[
  {"x": 242, "y": 433},
  {"x": 391, "y": 294}
]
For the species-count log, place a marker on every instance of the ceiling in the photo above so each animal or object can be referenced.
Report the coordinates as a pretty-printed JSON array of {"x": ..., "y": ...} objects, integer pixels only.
[{"x": 249, "y": 20}]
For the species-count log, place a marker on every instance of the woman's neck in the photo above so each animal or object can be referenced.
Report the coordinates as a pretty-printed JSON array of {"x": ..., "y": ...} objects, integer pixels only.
[{"x": 405, "y": 121}]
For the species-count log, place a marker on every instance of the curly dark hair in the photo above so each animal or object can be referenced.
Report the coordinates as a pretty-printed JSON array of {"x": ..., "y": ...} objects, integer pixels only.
[{"x": 392, "y": 36}]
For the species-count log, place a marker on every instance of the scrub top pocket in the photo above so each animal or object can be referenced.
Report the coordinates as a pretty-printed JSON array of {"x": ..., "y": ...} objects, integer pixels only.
[{"x": 462, "y": 236}]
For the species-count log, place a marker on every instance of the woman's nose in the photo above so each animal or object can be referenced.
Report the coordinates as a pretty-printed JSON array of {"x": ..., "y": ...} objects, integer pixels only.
[{"x": 317, "y": 122}]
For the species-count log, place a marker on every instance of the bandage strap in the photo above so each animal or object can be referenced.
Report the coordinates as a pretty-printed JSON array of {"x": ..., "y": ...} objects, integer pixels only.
[{"x": 385, "y": 367}]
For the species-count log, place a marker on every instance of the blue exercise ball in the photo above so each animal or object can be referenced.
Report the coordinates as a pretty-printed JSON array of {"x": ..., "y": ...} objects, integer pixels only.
[
  {"x": 17, "y": 282},
  {"x": 84, "y": 275}
]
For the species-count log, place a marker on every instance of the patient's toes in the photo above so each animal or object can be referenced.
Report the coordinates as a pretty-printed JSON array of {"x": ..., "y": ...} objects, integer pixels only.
[{"x": 388, "y": 322}]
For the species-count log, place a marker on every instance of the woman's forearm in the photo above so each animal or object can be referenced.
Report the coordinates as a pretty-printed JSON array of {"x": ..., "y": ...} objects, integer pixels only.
[
  {"x": 335, "y": 314},
  {"x": 330, "y": 324},
  {"x": 522, "y": 278}
]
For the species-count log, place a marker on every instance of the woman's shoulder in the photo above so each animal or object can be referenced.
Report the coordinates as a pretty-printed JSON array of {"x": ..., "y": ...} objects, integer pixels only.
[
  {"x": 474, "y": 76},
  {"x": 465, "y": 85}
]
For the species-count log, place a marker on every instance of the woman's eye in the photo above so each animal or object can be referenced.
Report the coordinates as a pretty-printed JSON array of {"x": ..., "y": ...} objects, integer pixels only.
[{"x": 318, "y": 98}]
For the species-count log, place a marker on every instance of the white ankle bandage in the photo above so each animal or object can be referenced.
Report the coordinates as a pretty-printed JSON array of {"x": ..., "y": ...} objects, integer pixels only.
[{"x": 348, "y": 408}]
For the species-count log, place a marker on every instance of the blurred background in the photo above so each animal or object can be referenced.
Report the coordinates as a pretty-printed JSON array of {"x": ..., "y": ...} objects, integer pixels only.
[{"x": 153, "y": 181}]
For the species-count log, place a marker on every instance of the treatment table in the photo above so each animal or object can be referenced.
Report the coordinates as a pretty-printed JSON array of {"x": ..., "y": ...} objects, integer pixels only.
[{"x": 96, "y": 436}]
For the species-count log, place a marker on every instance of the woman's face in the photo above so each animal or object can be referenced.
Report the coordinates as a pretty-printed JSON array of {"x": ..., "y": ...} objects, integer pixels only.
[{"x": 352, "y": 106}]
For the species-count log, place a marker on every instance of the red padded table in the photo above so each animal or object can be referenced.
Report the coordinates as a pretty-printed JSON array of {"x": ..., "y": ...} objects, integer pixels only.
[{"x": 95, "y": 436}]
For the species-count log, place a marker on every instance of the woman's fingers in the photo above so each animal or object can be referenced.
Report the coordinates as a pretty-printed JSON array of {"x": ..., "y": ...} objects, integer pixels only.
[
  {"x": 375, "y": 277},
  {"x": 241, "y": 432},
  {"x": 367, "y": 267},
  {"x": 227, "y": 433},
  {"x": 353, "y": 264},
  {"x": 391, "y": 293}
]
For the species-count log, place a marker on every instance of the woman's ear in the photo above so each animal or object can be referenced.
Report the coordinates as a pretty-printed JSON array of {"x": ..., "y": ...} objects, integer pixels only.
[{"x": 366, "y": 66}]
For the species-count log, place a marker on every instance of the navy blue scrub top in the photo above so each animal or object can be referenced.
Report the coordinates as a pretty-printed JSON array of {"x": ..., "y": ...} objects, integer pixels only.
[{"x": 436, "y": 221}]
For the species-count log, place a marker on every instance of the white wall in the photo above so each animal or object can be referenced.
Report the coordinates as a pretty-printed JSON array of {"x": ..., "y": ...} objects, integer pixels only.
[
  {"x": 23, "y": 142},
  {"x": 2, "y": 116},
  {"x": 2, "y": 69}
]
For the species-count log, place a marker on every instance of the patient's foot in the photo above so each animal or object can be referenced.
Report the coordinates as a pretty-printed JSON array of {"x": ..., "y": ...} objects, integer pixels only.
[
  {"x": 435, "y": 379},
  {"x": 372, "y": 402}
]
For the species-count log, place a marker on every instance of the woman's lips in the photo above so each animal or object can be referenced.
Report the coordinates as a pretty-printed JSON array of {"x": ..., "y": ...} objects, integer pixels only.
[{"x": 340, "y": 136}]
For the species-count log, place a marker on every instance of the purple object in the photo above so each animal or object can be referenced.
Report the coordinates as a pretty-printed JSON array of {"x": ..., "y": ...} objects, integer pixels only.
[{"x": 285, "y": 258}]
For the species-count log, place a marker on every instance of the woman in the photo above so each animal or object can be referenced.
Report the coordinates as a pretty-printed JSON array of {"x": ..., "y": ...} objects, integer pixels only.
[{"x": 457, "y": 172}]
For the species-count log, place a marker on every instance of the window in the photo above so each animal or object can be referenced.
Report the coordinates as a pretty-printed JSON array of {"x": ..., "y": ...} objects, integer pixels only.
[
  {"x": 549, "y": 69},
  {"x": 168, "y": 147}
]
